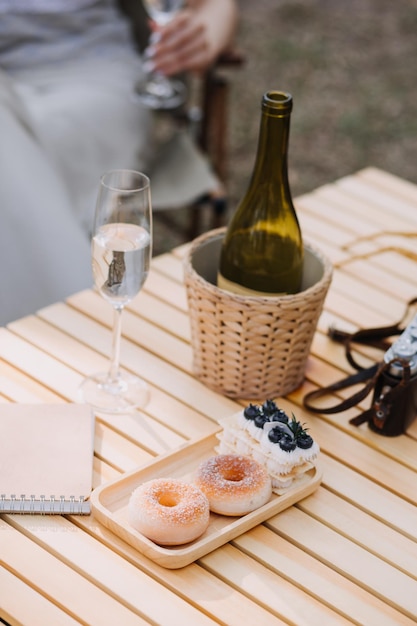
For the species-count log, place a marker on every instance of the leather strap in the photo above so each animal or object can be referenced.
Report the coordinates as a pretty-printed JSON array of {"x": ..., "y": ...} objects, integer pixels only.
[
  {"x": 377, "y": 338},
  {"x": 371, "y": 375}
]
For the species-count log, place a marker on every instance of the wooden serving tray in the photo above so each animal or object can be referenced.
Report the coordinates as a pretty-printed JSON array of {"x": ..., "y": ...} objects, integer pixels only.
[{"x": 109, "y": 503}]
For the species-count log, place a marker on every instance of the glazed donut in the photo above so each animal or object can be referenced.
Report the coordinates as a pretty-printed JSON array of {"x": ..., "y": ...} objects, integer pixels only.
[
  {"x": 234, "y": 484},
  {"x": 169, "y": 511}
]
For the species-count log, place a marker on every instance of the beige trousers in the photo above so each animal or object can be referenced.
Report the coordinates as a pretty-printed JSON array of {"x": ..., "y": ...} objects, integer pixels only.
[{"x": 60, "y": 129}]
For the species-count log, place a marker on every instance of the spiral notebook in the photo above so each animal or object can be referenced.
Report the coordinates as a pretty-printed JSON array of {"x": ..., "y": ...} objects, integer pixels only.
[{"x": 46, "y": 458}]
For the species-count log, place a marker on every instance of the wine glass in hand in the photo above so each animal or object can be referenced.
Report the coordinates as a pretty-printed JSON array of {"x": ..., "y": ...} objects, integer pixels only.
[
  {"x": 121, "y": 252},
  {"x": 157, "y": 91}
]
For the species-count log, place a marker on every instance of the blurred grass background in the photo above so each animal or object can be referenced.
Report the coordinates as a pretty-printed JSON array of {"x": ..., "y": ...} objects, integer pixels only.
[{"x": 351, "y": 68}]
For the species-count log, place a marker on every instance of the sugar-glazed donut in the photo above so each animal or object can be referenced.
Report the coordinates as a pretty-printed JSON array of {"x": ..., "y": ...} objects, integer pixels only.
[
  {"x": 169, "y": 511},
  {"x": 234, "y": 484}
]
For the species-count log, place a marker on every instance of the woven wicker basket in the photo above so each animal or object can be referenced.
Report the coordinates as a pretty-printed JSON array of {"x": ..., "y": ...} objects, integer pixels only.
[{"x": 251, "y": 347}]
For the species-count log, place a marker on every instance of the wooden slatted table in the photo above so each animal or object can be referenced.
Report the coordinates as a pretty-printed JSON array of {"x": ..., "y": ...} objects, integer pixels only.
[{"x": 345, "y": 554}]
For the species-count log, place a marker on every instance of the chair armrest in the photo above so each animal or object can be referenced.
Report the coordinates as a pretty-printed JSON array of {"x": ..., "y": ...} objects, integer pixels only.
[
  {"x": 214, "y": 90},
  {"x": 231, "y": 58}
]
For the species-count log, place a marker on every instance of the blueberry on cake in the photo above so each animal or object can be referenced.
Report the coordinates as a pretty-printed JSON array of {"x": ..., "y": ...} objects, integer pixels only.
[{"x": 266, "y": 433}]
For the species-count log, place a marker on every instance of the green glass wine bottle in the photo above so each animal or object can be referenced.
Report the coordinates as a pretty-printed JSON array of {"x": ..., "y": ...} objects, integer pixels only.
[{"x": 262, "y": 251}]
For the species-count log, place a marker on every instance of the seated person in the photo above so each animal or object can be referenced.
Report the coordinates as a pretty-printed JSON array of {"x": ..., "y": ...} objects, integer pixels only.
[{"x": 67, "y": 73}]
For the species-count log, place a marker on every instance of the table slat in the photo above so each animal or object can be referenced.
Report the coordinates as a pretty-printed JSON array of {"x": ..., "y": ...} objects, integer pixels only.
[
  {"x": 44, "y": 572},
  {"x": 352, "y": 561},
  {"x": 21, "y": 604},
  {"x": 294, "y": 561}
]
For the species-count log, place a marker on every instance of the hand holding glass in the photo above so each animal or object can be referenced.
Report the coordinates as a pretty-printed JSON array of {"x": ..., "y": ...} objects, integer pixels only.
[
  {"x": 121, "y": 253},
  {"x": 158, "y": 91}
]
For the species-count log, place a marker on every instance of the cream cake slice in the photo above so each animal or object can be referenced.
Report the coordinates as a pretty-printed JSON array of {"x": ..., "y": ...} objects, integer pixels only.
[{"x": 269, "y": 436}]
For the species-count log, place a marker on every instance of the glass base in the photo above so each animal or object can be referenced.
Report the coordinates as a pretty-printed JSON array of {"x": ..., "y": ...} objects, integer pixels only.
[
  {"x": 122, "y": 395},
  {"x": 159, "y": 93}
]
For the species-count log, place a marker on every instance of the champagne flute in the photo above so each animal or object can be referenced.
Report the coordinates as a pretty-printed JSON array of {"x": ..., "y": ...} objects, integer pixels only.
[
  {"x": 158, "y": 91},
  {"x": 121, "y": 253}
]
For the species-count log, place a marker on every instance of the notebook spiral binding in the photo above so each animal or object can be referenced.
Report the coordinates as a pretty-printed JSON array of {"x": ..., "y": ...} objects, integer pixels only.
[{"x": 43, "y": 505}]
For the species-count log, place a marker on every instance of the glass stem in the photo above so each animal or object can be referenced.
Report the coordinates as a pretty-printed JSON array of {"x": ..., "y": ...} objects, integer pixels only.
[{"x": 114, "y": 372}]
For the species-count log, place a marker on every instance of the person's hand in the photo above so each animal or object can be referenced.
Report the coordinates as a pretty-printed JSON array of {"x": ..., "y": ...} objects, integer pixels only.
[{"x": 182, "y": 45}]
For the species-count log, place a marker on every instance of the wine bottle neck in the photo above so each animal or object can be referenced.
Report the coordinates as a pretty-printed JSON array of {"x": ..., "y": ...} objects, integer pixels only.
[{"x": 271, "y": 163}]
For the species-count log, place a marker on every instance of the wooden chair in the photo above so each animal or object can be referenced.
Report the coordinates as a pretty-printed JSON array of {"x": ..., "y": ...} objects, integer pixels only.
[
  {"x": 212, "y": 137},
  {"x": 207, "y": 114}
]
